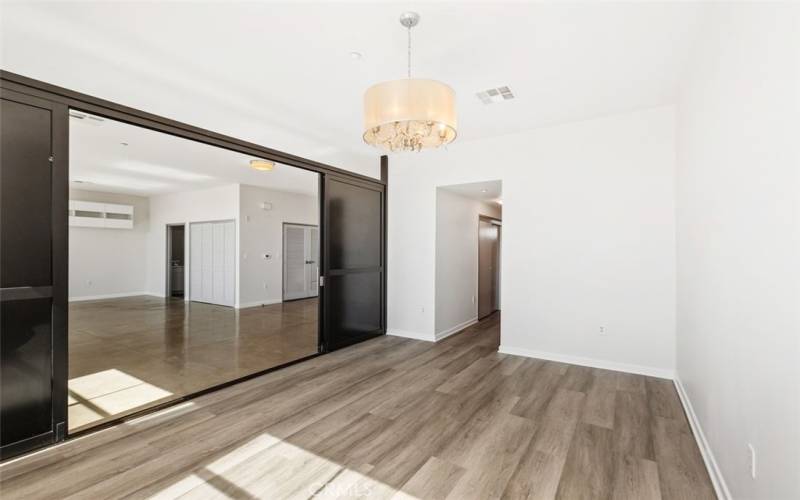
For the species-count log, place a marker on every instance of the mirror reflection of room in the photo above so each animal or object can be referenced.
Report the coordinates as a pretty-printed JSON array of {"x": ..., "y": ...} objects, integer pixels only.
[{"x": 189, "y": 266}]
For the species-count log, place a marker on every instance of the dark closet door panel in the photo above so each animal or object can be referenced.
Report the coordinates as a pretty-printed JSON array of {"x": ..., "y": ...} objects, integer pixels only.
[
  {"x": 354, "y": 270},
  {"x": 355, "y": 226},
  {"x": 25, "y": 371},
  {"x": 355, "y": 308},
  {"x": 25, "y": 191},
  {"x": 29, "y": 310}
]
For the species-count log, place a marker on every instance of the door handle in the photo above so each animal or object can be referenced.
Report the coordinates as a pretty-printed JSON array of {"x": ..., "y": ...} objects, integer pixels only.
[{"x": 310, "y": 262}]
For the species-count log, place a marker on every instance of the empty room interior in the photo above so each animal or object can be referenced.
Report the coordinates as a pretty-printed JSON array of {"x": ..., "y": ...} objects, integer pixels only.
[{"x": 427, "y": 250}]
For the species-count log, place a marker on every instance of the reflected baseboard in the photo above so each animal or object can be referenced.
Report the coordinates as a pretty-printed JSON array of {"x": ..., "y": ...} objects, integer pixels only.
[
  {"x": 258, "y": 303},
  {"x": 112, "y": 296}
]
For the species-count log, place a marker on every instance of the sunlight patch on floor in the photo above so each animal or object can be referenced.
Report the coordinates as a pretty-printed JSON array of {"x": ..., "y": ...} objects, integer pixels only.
[
  {"x": 111, "y": 392},
  {"x": 269, "y": 467}
]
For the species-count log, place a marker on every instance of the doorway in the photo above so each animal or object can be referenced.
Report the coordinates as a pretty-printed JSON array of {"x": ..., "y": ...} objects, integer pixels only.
[
  {"x": 176, "y": 259},
  {"x": 489, "y": 230},
  {"x": 460, "y": 210},
  {"x": 300, "y": 261}
]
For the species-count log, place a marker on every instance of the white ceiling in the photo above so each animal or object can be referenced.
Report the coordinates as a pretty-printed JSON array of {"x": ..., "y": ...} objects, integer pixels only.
[
  {"x": 154, "y": 163},
  {"x": 281, "y": 75},
  {"x": 487, "y": 191}
]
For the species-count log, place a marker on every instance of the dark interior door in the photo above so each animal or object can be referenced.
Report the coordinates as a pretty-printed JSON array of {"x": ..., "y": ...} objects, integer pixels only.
[
  {"x": 354, "y": 265},
  {"x": 488, "y": 266},
  {"x": 29, "y": 308}
]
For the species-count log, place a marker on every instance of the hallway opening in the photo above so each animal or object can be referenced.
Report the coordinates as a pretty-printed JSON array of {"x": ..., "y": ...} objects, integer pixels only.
[{"x": 468, "y": 254}]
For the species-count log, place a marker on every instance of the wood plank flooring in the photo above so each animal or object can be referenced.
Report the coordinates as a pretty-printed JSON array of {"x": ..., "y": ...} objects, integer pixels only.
[
  {"x": 393, "y": 418},
  {"x": 131, "y": 353}
]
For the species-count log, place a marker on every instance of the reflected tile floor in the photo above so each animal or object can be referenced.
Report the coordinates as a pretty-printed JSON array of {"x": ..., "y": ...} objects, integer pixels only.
[{"x": 130, "y": 353}]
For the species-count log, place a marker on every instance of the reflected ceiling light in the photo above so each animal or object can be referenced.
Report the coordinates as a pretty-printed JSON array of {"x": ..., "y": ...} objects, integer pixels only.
[
  {"x": 262, "y": 165},
  {"x": 409, "y": 114}
]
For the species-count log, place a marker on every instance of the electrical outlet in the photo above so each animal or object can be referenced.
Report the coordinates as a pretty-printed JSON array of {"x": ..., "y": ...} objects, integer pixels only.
[
  {"x": 752, "y": 460},
  {"x": 602, "y": 330},
  {"x": 265, "y": 286}
]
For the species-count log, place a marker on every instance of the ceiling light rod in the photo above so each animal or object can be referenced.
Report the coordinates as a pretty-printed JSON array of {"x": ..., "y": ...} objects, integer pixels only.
[{"x": 409, "y": 20}]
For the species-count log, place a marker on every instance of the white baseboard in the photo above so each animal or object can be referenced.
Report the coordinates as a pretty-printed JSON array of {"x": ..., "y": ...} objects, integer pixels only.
[
  {"x": 451, "y": 331},
  {"x": 412, "y": 335},
  {"x": 429, "y": 337},
  {"x": 111, "y": 296},
  {"x": 258, "y": 303},
  {"x": 591, "y": 362},
  {"x": 720, "y": 487}
]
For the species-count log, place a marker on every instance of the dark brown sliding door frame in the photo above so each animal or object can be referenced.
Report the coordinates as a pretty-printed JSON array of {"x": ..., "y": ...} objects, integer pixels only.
[
  {"x": 132, "y": 116},
  {"x": 57, "y": 292},
  {"x": 61, "y": 100},
  {"x": 330, "y": 272}
]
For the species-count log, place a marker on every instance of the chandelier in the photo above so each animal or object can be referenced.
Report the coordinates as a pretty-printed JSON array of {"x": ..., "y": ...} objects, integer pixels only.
[{"x": 410, "y": 114}]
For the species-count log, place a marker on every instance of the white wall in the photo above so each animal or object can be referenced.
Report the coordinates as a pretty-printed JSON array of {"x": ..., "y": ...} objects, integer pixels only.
[
  {"x": 738, "y": 235},
  {"x": 457, "y": 258},
  {"x": 213, "y": 204},
  {"x": 108, "y": 262},
  {"x": 588, "y": 237},
  {"x": 262, "y": 233}
]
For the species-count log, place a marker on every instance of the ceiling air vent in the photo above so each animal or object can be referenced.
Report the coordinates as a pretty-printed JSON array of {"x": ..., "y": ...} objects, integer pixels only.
[
  {"x": 495, "y": 95},
  {"x": 86, "y": 117}
]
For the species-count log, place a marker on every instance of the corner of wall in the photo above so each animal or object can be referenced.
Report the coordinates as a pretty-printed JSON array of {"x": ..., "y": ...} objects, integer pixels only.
[{"x": 714, "y": 472}]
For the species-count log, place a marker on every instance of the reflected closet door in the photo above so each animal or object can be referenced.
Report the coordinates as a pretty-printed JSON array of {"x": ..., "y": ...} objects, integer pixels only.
[
  {"x": 212, "y": 257},
  {"x": 300, "y": 261}
]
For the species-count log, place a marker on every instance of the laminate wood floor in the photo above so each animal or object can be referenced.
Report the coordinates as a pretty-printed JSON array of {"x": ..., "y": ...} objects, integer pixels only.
[
  {"x": 131, "y": 353},
  {"x": 393, "y": 418}
]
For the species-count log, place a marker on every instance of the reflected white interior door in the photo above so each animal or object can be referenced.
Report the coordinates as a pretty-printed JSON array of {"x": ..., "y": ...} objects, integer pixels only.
[
  {"x": 300, "y": 261},
  {"x": 212, "y": 250}
]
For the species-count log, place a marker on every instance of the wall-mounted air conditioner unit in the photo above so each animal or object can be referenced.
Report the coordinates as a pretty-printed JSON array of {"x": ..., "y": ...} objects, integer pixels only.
[{"x": 104, "y": 215}]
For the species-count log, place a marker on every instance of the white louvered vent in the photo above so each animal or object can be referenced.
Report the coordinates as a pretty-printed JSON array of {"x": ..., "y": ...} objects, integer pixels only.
[
  {"x": 86, "y": 117},
  {"x": 492, "y": 96}
]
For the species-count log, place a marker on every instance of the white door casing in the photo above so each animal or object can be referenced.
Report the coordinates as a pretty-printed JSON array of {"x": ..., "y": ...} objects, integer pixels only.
[{"x": 300, "y": 261}]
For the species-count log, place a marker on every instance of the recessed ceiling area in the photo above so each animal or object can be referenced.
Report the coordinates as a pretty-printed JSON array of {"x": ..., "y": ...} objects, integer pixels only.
[
  {"x": 487, "y": 191},
  {"x": 115, "y": 157},
  {"x": 283, "y": 75}
]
